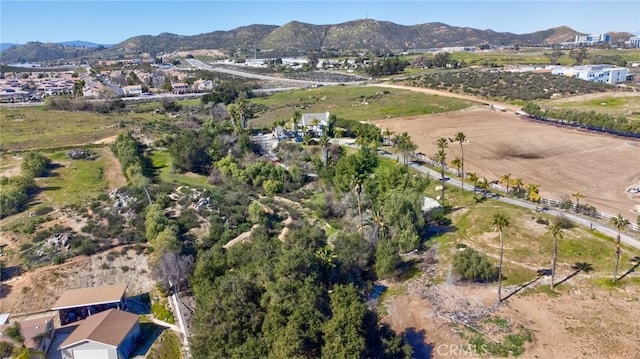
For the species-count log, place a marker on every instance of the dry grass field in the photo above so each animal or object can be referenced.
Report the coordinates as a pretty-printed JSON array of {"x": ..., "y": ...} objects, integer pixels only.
[{"x": 560, "y": 160}]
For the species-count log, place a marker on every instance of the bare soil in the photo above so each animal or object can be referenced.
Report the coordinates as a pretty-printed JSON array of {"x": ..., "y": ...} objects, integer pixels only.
[
  {"x": 584, "y": 321},
  {"x": 38, "y": 289},
  {"x": 561, "y": 160}
]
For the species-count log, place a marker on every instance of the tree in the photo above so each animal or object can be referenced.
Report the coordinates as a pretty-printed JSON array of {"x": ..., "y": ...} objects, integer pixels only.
[
  {"x": 473, "y": 177},
  {"x": 500, "y": 221},
  {"x": 34, "y": 164},
  {"x": 554, "y": 56},
  {"x": 555, "y": 229},
  {"x": 457, "y": 164},
  {"x": 506, "y": 180},
  {"x": 579, "y": 55},
  {"x": 441, "y": 158},
  {"x": 78, "y": 87},
  {"x": 533, "y": 194},
  {"x": 344, "y": 334},
  {"x": 577, "y": 195},
  {"x": 324, "y": 143},
  {"x": 460, "y": 138},
  {"x": 484, "y": 186},
  {"x": 620, "y": 223},
  {"x": 471, "y": 265},
  {"x": 405, "y": 145},
  {"x": 516, "y": 186}
]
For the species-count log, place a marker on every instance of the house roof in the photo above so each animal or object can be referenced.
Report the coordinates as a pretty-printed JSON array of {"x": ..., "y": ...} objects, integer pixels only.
[
  {"x": 30, "y": 329},
  {"x": 90, "y": 296},
  {"x": 109, "y": 327},
  {"x": 307, "y": 118}
]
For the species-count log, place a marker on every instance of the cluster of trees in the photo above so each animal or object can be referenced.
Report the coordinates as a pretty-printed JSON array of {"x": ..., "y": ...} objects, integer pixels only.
[
  {"x": 130, "y": 154},
  {"x": 591, "y": 120},
  {"x": 507, "y": 85},
  {"x": 63, "y": 103},
  {"x": 15, "y": 191},
  {"x": 262, "y": 174},
  {"x": 439, "y": 60},
  {"x": 228, "y": 92},
  {"x": 388, "y": 66}
]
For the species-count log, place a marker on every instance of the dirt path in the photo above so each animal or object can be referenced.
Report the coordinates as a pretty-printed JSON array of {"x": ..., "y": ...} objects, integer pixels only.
[
  {"x": 241, "y": 237},
  {"x": 113, "y": 169},
  {"x": 446, "y": 94}
]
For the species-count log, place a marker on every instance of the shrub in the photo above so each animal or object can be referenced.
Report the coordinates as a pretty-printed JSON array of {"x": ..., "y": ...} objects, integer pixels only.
[
  {"x": 474, "y": 266},
  {"x": 34, "y": 164}
]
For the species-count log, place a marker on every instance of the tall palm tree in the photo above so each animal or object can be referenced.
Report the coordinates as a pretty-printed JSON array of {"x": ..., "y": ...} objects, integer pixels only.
[
  {"x": 577, "y": 195},
  {"x": 378, "y": 225},
  {"x": 457, "y": 164},
  {"x": 500, "y": 221},
  {"x": 460, "y": 138},
  {"x": 620, "y": 223},
  {"x": 324, "y": 143},
  {"x": 555, "y": 230},
  {"x": 473, "y": 177},
  {"x": 506, "y": 180},
  {"x": 441, "y": 157}
]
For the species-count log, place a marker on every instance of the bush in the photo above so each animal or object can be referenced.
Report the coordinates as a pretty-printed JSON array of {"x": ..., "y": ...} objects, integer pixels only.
[
  {"x": 34, "y": 164},
  {"x": 471, "y": 265}
]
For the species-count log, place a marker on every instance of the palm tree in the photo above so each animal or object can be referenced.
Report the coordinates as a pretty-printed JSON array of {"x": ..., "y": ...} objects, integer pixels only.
[
  {"x": 533, "y": 194},
  {"x": 578, "y": 195},
  {"x": 457, "y": 164},
  {"x": 315, "y": 122},
  {"x": 294, "y": 121},
  {"x": 484, "y": 186},
  {"x": 555, "y": 230},
  {"x": 473, "y": 177},
  {"x": 620, "y": 223},
  {"x": 324, "y": 143},
  {"x": 441, "y": 157},
  {"x": 516, "y": 185},
  {"x": 500, "y": 221},
  {"x": 460, "y": 138},
  {"x": 378, "y": 225},
  {"x": 506, "y": 180}
]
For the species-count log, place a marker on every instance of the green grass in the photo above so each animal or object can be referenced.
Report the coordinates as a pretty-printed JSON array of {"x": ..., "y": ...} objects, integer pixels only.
[
  {"x": 623, "y": 104},
  {"x": 167, "y": 346},
  {"x": 35, "y": 127},
  {"x": 161, "y": 162},
  {"x": 74, "y": 181},
  {"x": 347, "y": 102},
  {"x": 161, "y": 312}
]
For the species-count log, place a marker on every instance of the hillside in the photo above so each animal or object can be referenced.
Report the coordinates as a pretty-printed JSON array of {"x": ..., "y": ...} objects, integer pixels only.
[
  {"x": 299, "y": 38},
  {"x": 38, "y": 51}
]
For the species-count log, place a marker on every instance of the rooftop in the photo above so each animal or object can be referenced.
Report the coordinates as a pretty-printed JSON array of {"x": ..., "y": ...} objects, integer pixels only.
[
  {"x": 73, "y": 298},
  {"x": 109, "y": 327}
]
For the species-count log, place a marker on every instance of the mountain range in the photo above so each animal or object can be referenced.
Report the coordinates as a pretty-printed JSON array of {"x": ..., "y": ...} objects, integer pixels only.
[{"x": 296, "y": 38}]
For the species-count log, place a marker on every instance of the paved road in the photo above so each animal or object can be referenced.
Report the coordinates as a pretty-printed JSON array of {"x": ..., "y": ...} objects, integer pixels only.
[
  {"x": 299, "y": 83},
  {"x": 628, "y": 239}
]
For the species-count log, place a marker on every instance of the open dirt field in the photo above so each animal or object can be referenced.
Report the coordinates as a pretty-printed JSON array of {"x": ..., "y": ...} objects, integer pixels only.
[{"x": 560, "y": 160}]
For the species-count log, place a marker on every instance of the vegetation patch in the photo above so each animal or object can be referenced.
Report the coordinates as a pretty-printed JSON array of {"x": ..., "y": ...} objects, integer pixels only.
[{"x": 353, "y": 103}]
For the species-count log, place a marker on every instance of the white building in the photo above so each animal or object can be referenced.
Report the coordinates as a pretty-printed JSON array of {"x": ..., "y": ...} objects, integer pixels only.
[
  {"x": 634, "y": 41},
  {"x": 314, "y": 122},
  {"x": 592, "y": 39},
  {"x": 594, "y": 73}
]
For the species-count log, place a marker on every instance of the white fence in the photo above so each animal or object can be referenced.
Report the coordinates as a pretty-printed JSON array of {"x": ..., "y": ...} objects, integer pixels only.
[{"x": 548, "y": 201}]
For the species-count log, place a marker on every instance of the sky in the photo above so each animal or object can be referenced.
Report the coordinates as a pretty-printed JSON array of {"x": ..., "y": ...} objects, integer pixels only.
[{"x": 110, "y": 22}]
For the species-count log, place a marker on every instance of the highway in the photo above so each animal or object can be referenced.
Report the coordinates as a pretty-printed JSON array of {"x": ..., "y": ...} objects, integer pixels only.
[{"x": 296, "y": 83}]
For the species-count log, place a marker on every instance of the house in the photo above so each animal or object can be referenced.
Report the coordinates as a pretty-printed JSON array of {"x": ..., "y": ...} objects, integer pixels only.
[
  {"x": 77, "y": 304},
  {"x": 314, "y": 123},
  {"x": 594, "y": 73},
  {"x": 37, "y": 334},
  {"x": 132, "y": 90},
  {"x": 204, "y": 85},
  {"x": 180, "y": 87},
  {"x": 108, "y": 335}
]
